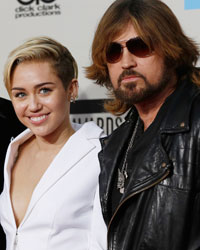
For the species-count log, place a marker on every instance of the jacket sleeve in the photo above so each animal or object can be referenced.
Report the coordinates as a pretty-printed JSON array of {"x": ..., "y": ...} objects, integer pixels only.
[
  {"x": 98, "y": 227},
  {"x": 195, "y": 226}
]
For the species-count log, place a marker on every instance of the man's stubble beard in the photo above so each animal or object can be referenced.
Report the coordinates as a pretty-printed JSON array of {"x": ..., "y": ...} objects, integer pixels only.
[{"x": 130, "y": 96}]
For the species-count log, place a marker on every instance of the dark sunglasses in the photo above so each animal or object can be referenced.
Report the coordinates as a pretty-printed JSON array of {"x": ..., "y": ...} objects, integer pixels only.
[{"x": 135, "y": 46}]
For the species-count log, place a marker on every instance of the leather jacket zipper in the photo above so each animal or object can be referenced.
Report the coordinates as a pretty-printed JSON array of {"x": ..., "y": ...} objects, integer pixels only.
[{"x": 133, "y": 194}]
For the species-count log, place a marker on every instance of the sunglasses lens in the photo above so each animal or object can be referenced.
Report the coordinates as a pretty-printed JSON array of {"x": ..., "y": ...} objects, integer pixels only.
[
  {"x": 113, "y": 52},
  {"x": 137, "y": 47}
]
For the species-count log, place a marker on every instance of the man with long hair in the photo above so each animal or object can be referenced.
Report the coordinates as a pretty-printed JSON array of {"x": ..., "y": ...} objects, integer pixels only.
[{"x": 150, "y": 165}]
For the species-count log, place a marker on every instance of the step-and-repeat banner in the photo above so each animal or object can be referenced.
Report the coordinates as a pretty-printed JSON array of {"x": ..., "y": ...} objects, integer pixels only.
[{"x": 73, "y": 23}]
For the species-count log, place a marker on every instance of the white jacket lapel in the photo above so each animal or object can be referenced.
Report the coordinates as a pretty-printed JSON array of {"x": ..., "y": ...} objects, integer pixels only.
[{"x": 76, "y": 148}]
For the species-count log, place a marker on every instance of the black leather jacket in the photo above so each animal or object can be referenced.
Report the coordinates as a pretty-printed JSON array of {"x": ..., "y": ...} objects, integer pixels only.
[{"x": 160, "y": 209}]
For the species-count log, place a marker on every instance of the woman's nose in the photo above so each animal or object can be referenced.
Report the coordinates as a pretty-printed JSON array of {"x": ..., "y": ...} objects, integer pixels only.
[{"x": 34, "y": 104}]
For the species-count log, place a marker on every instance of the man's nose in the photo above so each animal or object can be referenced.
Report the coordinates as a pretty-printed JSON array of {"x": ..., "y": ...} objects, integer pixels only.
[{"x": 128, "y": 60}]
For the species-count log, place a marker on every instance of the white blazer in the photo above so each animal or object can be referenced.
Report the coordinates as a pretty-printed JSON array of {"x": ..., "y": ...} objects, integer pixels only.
[{"x": 64, "y": 212}]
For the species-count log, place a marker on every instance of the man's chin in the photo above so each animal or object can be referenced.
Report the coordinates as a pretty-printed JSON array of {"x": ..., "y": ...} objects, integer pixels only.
[
  {"x": 129, "y": 86},
  {"x": 125, "y": 96}
]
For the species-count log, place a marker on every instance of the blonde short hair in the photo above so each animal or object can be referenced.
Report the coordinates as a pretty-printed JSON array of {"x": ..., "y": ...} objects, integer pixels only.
[{"x": 46, "y": 49}]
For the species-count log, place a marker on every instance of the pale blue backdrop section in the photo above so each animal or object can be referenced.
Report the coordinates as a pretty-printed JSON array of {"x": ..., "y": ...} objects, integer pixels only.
[{"x": 192, "y": 4}]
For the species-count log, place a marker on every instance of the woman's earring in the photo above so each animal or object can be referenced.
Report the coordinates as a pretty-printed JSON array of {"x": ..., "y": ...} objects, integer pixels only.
[{"x": 73, "y": 99}]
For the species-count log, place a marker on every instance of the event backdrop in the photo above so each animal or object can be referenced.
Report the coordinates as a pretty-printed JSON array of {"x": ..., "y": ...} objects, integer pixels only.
[{"x": 73, "y": 23}]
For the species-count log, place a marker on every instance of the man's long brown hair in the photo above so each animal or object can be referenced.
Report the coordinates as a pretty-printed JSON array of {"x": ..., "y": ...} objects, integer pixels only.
[{"x": 156, "y": 24}]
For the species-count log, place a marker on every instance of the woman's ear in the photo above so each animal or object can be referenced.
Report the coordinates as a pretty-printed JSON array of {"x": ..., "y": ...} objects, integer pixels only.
[{"x": 73, "y": 90}]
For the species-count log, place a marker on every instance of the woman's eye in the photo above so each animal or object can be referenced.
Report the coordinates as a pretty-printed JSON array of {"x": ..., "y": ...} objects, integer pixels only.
[
  {"x": 20, "y": 95},
  {"x": 45, "y": 90}
]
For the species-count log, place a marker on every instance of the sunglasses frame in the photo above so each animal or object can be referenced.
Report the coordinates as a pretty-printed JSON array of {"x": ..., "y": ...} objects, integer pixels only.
[{"x": 126, "y": 44}]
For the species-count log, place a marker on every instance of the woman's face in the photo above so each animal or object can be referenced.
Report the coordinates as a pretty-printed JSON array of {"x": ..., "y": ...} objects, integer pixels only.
[{"x": 39, "y": 98}]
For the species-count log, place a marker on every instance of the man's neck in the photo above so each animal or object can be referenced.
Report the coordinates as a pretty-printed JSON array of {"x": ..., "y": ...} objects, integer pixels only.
[{"x": 148, "y": 109}]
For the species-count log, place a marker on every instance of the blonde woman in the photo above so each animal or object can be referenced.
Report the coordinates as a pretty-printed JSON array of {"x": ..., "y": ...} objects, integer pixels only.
[{"x": 50, "y": 197}]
